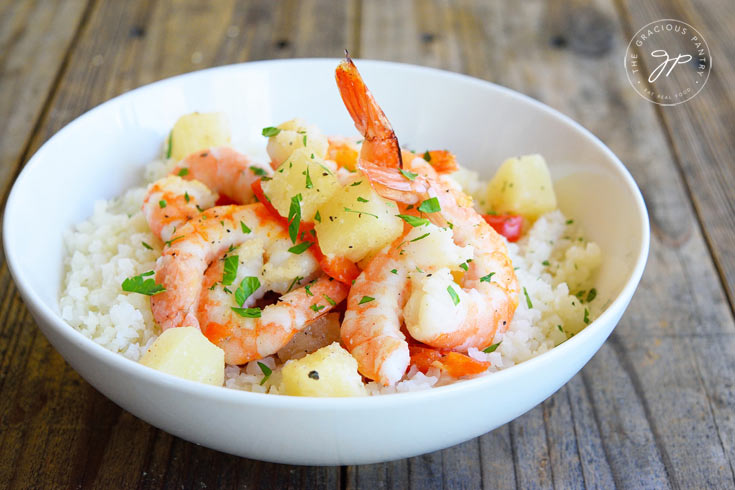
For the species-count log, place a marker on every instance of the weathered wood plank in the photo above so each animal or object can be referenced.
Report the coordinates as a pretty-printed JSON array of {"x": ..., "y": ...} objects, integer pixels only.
[
  {"x": 701, "y": 129},
  {"x": 56, "y": 431},
  {"x": 569, "y": 54},
  {"x": 34, "y": 39}
]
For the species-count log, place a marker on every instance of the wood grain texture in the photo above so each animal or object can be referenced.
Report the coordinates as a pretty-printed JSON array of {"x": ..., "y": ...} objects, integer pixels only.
[
  {"x": 655, "y": 408},
  {"x": 35, "y": 39}
]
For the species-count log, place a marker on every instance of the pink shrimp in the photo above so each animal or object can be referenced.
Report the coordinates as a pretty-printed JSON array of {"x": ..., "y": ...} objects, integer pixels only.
[
  {"x": 172, "y": 201},
  {"x": 225, "y": 171},
  {"x": 181, "y": 271},
  {"x": 489, "y": 288},
  {"x": 380, "y": 145}
]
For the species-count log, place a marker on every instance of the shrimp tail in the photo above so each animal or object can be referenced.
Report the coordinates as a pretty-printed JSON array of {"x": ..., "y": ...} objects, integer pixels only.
[{"x": 381, "y": 144}]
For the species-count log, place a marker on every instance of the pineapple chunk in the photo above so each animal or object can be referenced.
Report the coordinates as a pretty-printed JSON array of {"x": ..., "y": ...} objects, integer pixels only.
[
  {"x": 295, "y": 134},
  {"x": 186, "y": 353},
  {"x": 194, "y": 132},
  {"x": 356, "y": 221},
  {"x": 522, "y": 186},
  {"x": 330, "y": 371},
  {"x": 301, "y": 174}
]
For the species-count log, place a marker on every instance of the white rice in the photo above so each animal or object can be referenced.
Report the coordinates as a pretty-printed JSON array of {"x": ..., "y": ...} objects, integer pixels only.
[{"x": 553, "y": 260}]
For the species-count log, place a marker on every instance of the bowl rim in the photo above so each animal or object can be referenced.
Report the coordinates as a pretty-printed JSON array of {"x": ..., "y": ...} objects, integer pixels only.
[{"x": 220, "y": 393}]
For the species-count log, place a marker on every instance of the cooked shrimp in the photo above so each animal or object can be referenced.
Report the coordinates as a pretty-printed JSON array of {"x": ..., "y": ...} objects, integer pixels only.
[
  {"x": 224, "y": 171},
  {"x": 181, "y": 271},
  {"x": 487, "y": 296},
  {"x": 380, "y": 145},
  {"x": 172, "y": 201}
]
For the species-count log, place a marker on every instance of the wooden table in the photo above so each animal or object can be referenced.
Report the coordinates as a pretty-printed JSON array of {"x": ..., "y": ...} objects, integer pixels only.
[{"x": 654, "y": 408}]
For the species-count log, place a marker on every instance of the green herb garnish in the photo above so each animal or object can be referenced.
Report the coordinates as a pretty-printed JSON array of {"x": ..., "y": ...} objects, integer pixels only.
[
  {"x": 586, "y": 316},
  {"x": 294, "y": 217},
  {"x": 330, "y": 300},
  {"x": 230, "y": 270},
  {"x": 300, "y": 248},
  {"x": 186, "y": 196},
  {"x": 246, "y": 288},
  {"x": 407, "y": 174},
  {"x": 546, "y": 263},
  {"x": 366, "y": 299},
  {"x": 246, "y": 312},
  {"x": 413, "y": 220},
  {"x": 168, "y": 243},
  {"x": 354, "y": 184},
  {"x": 591, "y": 295},
  {"x": 362, "y": 199},
  {"x": 394, "y": 271},
  {"x": 170, "y": 144},
  {"x": 430, "y": 206},
  {"x": 348, "y": 210},
  {"x": 293, "y": 283},
  {"x": 244, "y": 227},
  {"x": 270, "y": 131},
  {"x": 309, "y": 183},
  {"x": 147, "y": 246},
  {"x": 183, "y": 172},
  {"x": 137, "y": 284},
  {"x": 488, "y": 350},
  {"x": 528, "y": 298},
  {"x": 453, "y": 294},
  {"x": 427, "y": 156},
  {"x": 421, "y": 237},
  {"x": 266, "y": 372},
  {"x": 487, "y": 277},
  {"x": 258, "y": 171},
  {"x": 464, "y": 266},
  {"x": 317, "y": 308},
  {"x": 318, "y": 217},
  {"x": 162, "y": 204}
]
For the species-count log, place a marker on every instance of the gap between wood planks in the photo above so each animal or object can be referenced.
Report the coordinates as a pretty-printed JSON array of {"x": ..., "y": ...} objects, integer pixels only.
[{"x": 626, "y": 22}]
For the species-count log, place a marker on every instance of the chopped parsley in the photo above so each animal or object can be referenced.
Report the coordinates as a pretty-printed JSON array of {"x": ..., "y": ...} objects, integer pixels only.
[
  {"x": 294, "y": 217},
  {"x": 362, "y": 199},
  {"x": 355, "y": 184},
  {"x": 366, "y": 299},
  {"x": 330, "y": 300},
  {"x": 244, "y": 227},
  {"x": 304, "y": 140},
  {"x": 137, "y": 284},
  {"x": 318, "y": 217},
  {"x": 246, "y": 312},
  {"x": 186, "y": 196},
  {"x": 453, "y": 294},
  {"x": 300, "y": 248},
  {"x": 183, "y": 172},
  {"x": 307, "y": 288},
  {"x": 546, "y": 263},
  {"x": 464, "y": 266},
  {"x": 570, "y": 221},
  {"x": 528, "y": 298},
  {"x": 270, "y": 131},
  {"x": 309, "y": 183},
  {"x": 488, "y": 350},
  {"x": 407, "y": 174},
  {"x": 421, "y": 237},
  {"x": 487, "y": 277},
  {"x": 413, "y": 220},
  {"x": 258, "y": 171},
  {"x": 394, "y": 271},
  {"x": 430, "y": 206},
  {"x": 591, "y": 295},
  {"x": 162, "y": 204},
  {"x": 246, "y": 288},
  {"x": 427, "y": 156},
  {"x": 147, "y": 246},
  {"x": 317, "y": 308},
  {"x": 586, "y": 316},
  {"x": 266, "y": 372},
  {"x": 293, "y": 283},
  {"x": 348, "y": 210},
  {"x": 230, "y": 270},
  {"x": 170, "y": 144},
  {"x": 168, "y": 243}
]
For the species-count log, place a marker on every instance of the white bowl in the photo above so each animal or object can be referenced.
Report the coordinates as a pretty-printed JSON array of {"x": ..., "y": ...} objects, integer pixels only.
[{"x": 102, "y": 153}]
